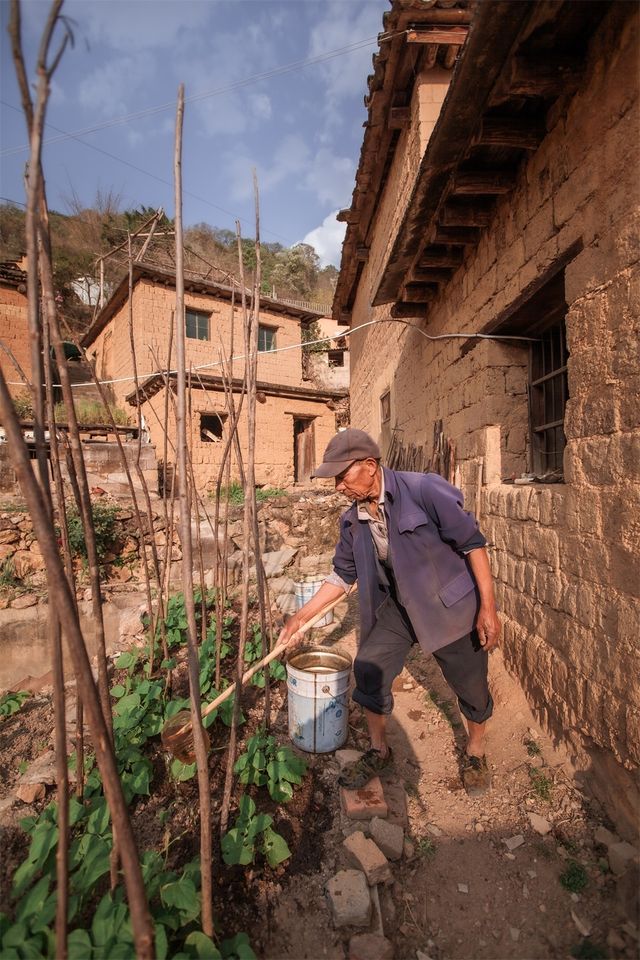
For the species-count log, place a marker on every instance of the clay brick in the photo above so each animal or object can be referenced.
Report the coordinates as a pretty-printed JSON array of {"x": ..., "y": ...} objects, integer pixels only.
[
  {"x": 349, "y": 899},
  {"x": 365, "y": 855},
  {"x": 388, "y": 836},
  {"x": 365, "y": 803}
]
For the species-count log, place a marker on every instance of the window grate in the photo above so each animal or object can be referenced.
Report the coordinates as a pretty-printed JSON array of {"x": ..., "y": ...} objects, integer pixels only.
[{"x": 548, "y": 394}]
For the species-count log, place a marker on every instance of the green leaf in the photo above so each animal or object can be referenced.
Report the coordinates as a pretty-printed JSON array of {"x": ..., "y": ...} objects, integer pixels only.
[
  {"x": 94, "y": 865},
  {"x": 31, "y": 949},
  {"x": 280, "y": 791},
  {"x": 175, "y": 706},
  {"x": 284, "y": 770},
  {"x": 168, "y": 665},
  {"x": 162, "y": 944},
  {"x": 125, "y": 660},
  {"x": 79, "y": 945},
  {"x": 14, "y": 936},
  {"x": 31, "y": 905},
  {"x": 45, "y": 838},
  {"x": 203, "y": 945},
  {"x": 235, "y": 849},
  {"x": 99, "y": 817},
  {"x": 237, "y": 947},
  {"x": 183, "y": 771},
  {"x": 118, "y": 691},
  {"x": 108, "y": 919},
  {"x": 246, "y": 807},
  {"x": 275, "y": 848},
  {"x": 257, "y": 824},
  {"x": 183, "y": 895}
]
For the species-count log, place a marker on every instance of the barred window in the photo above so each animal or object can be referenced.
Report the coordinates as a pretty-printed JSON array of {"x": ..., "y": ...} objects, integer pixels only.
[
  {"x": 548, "y": 393},
  {"x": 385, "y": 407}
]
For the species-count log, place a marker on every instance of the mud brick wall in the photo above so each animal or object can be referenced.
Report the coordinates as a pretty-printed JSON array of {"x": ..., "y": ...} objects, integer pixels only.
[
  {"x": 15, "y": 334},
  {"x": 152, "y": 310},
  {"x": 565, "y": 556}
]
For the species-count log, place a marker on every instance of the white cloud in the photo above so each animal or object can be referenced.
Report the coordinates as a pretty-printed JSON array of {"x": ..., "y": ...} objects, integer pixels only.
[
  {"x": 327, "y": 240},
  {"x": 341, "y": 24},
  {"x": 110, "y": 89},
  {"x": 260, "y": 106},
  {"x": 329, "y": 176},
  {"x": 136, "y": 25}
]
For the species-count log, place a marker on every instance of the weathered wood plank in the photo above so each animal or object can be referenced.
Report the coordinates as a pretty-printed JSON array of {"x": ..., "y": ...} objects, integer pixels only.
[
  {"x": 454, "y": 36},
  {"x": 482, "y": 183},
  {"x": 456, "y": 236},
  {"x": 404, "y": 311},
  {"x": 509, "y": 132},
  {"x": 466, "y": 215}
]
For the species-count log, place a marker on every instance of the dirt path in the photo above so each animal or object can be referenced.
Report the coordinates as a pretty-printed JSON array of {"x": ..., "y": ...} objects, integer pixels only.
[{"x": 466, "y": 893}]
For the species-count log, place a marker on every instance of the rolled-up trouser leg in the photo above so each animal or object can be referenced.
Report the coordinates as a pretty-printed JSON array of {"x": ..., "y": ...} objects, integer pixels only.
[
  {"x": 381, "y": 658},
  {"x": 464, "y": 664}
]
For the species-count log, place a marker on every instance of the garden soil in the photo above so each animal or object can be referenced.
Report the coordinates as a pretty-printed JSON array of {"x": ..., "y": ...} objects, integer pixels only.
[{"x": 476, "y": 881}]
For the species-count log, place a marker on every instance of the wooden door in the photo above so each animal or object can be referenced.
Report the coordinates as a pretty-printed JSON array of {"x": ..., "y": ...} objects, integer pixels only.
[{"x": 304, "y": 449}]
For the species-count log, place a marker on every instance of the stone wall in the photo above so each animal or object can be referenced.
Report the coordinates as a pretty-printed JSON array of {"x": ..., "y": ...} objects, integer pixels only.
[
  {"x": 14, "y": 325},
  {"x": 565, "y": 556},
  {"x": 153, "y": 305}
]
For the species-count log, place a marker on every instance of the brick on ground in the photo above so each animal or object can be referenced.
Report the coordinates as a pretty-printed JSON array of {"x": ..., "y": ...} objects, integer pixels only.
[
  {"x": 365, "y": 803},
  {"x": 396, "y": 799},
  {"x": 344, "y": 757},
  {"x": 388, "y": 836},
  {"x": 370, "y": 946},
  {"x": 367, "y": 856},
  {"x": 349, "y": 898}
]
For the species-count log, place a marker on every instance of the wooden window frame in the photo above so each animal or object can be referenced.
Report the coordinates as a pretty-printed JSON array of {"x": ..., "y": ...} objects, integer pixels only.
[
  {"x": 385, "y": 401},
  {"x": 198, "y": 315},
  {"x": 265, "y": 328}
]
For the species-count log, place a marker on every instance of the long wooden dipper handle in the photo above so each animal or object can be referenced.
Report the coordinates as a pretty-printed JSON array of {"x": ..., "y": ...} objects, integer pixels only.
[{"x": 271, "y": 656}]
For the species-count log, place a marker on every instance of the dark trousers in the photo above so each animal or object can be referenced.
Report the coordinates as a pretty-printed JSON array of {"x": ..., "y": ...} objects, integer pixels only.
[{"x": 464, "y": 664}]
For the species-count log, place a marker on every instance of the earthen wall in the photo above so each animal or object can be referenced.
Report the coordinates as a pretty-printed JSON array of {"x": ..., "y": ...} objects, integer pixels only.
[
  {"x": 14, "y": 327},
  {"x": 565, "y": 556}
]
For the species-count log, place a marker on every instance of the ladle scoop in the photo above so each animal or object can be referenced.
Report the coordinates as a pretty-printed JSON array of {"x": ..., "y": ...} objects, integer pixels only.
[{"x": 177, "y": 733}]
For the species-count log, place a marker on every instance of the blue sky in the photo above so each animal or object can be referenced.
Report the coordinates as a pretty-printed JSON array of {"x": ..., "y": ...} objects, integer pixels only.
[{"x": 301, "y": 129}]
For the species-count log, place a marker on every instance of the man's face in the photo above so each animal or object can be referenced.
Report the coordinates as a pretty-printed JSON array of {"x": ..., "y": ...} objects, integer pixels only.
[{"x": 357, "y": 481}]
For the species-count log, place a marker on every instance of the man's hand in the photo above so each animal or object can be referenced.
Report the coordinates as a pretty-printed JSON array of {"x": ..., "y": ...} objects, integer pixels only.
[
  {"x": 488, "y": 626},
  {"x": 290, "y": 629}
]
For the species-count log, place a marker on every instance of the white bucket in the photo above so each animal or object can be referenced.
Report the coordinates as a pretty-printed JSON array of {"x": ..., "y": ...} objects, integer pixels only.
[
  {"x": 305, "y": 590},
  {"x": 318, "y": 688}
]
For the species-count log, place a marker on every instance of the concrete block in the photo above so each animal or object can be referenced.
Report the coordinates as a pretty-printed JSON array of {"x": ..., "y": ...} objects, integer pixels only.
[
  {"x": 388, "y": 836},
  {"x": 365, "y": 803},
  {"x": 345, "y": 757},
  {"x": 349, "y": 899},
  {"x": 365, "y": 855},
  {"x": 370, "y": 946},
  {"x": 539, "y": 824}
]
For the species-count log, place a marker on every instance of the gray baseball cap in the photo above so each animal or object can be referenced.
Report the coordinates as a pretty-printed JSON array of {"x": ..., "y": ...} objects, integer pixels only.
[{"x": 345, "y": 448}]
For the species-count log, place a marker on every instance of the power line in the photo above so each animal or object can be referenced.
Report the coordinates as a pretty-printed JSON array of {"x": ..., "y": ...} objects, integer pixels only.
[{"x": 216, "y": 92}]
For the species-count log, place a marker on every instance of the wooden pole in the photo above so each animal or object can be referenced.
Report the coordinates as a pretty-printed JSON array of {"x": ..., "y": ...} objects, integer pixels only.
[{"x": 187, "y": 550}]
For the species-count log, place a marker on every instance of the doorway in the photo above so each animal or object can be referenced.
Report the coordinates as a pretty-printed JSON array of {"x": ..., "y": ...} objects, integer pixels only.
[{"x": 304, "y": 448}]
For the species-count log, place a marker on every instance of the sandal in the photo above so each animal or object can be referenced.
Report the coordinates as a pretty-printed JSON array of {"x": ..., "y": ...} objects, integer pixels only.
[
  {"x": 476, "y": 775},
  {"x": 358, "y": 774}
]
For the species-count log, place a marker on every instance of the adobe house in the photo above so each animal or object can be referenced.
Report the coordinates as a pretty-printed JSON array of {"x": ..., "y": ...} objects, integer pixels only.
[
  {"x": 14, "y": 325},
  {"x": 294, "y": 417},
  {"x": 513, "y": 212}
]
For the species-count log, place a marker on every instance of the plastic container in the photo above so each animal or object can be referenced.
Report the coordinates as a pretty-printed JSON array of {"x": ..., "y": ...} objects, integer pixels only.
[
  {"x": 306, "y": 588},
  {"x": 318, "y": 688}
]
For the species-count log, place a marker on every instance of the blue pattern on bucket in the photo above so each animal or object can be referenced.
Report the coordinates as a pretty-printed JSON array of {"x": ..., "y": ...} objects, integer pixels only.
[{"x": 305, "y": 590}]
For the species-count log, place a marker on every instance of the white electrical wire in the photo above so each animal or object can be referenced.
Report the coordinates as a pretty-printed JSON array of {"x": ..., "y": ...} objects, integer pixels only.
[{"x": 338, "y": 335}]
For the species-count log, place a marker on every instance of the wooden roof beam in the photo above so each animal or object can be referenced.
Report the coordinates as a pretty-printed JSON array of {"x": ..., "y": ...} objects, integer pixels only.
[
  {"x": 454, "y": 36},
  {"x": 405, "y": 311},
  {"x": 399, "y": 118},
  {"x": 456, "y": 236},
  {"x": 509, "y": 132},
  {"x": 478, "y": 214},
  {"x": 476, "y": 183},
  {"x": 434, "y": 16},
  {"x": 538, "y": 78},
  {"x": 446, "y": 258},
  {"x": 433, "y": 275},
  {"x": 348, "y": 215},
  {"x": 418, "y": 293}
]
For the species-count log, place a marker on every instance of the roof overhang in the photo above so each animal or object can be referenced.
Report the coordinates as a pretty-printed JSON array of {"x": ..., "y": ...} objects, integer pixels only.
[
  {"x": 206, "y": 381},
  {"x": 192, "y": 284},
  {"x": 520, "y": 61}
]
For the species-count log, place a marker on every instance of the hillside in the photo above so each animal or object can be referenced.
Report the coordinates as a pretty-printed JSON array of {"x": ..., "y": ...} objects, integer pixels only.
[{"x": 81, "y": 237}]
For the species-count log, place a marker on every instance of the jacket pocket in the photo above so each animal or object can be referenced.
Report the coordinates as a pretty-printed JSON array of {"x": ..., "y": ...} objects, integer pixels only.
[
  {"x": 410, "y": 521},
  {"x": 456, "y": 589}
]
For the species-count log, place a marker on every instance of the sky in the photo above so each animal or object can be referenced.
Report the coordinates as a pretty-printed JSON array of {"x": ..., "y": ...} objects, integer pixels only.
[{"x": 301, "y": 127}]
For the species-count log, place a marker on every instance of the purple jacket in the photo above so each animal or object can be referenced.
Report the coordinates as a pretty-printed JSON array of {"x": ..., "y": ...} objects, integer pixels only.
[{"x": 427, "y": 528}]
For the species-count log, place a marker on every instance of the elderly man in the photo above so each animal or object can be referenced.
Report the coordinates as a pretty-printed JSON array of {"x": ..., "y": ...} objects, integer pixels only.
[{"x": 423, "y": 577}]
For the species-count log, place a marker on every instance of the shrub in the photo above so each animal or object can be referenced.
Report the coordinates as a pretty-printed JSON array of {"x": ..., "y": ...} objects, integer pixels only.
[
  {"x": 104, "y": 522},
  {"x": 91, "y": 412},
  {"x": 23, "y": 405}
]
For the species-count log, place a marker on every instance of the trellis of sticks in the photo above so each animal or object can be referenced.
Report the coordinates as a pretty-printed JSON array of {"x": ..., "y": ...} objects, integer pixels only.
[{"x": 44, "y": 494}]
